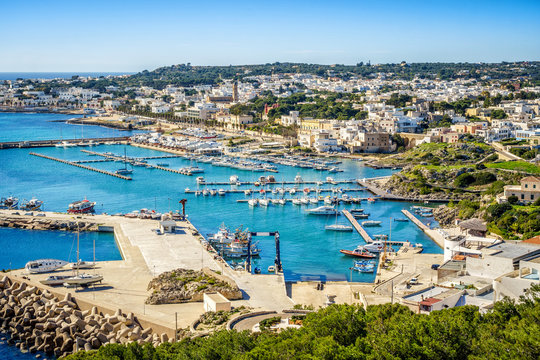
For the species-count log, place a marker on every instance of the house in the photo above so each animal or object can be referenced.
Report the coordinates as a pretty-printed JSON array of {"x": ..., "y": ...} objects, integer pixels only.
[
  {"x": 371, "y": 142},
  {"x": 291, "y": 119},
  {"x": 528, "y": 191}
]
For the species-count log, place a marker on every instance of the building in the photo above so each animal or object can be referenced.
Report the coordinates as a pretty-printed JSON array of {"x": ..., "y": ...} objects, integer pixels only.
[
  {"x": 291, "y": 119},
  {"x": 216, "y": 302},
  {"x": 202, "y": 111},
  {"x": 370, "y": 142},
  {"x": 528, "y": 191}
]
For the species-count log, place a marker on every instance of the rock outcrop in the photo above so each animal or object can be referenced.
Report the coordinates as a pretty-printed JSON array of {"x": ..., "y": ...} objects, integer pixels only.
[
  {"x": 37, "y": 321},
  {"x": 183, "y": 285},
  {"x": 33, "y": 223}
]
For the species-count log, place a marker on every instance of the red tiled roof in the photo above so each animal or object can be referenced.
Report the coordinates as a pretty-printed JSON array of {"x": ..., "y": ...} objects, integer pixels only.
[
  {"x": 530, "y": 178},
  {"x": 533, "y": 240},
  {"x": 429, "y": 301}
]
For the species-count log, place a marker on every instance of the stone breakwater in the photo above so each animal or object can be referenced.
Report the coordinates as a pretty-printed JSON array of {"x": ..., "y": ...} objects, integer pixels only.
[
  {"x": 42, "y": 223},
  {"x": 38, "y": 321}
]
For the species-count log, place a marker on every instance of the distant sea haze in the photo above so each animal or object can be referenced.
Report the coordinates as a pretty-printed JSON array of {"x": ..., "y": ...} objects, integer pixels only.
[{"x": 54, "y": 75}]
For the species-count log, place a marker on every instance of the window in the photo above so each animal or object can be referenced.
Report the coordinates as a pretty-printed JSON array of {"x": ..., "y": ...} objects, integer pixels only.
[
  {"x": 526, "y": 186},
  {"x": 532, "y": 196},
  {"x": 534, "y": 186},
  {"x": 522, "y": 196}
]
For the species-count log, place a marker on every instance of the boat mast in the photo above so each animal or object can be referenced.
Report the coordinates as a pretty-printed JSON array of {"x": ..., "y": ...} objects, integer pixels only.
[{"x": 77, "y": 248}]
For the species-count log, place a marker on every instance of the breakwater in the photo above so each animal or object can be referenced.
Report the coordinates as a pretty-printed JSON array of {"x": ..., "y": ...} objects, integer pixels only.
[
  {"x": 54, "y": 142},
  {"x": 43, "y": 223},
  {"x": 38, "y": 321}
]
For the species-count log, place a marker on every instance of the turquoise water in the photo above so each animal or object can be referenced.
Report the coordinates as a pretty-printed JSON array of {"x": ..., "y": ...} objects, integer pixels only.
[
  {"x": 308, "y": 251},
  {"x": 55, "y": 75},
  {"x": 42, "y": 126},
  {"x": 20, "y": 246}
]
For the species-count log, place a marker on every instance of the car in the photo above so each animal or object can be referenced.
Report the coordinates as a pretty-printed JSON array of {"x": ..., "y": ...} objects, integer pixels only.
[
  {"x": 413, "y": 281},
  {"x": 435, "y": 266}
]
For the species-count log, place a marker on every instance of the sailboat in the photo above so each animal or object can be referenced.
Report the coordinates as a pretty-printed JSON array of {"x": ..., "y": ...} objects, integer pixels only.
[
  {"x": 338, "y": 227},
  {"x": 125, "y": 170},
  {"x": 82, "y": 279}
]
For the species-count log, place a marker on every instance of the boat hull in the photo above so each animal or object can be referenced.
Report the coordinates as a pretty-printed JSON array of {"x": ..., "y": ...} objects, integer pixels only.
[{"x": 360, "y": 255}]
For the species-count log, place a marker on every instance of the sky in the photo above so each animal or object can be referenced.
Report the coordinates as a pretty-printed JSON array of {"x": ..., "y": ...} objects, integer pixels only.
[{"x": 115, "y": 36}]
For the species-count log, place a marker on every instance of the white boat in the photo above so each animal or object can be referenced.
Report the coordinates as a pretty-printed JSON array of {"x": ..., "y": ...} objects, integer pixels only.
[
  {"x": 186, "y": 190},
  {"x": 195, "y": 170},
  {"x": 83, "y": 280},
  {"x": 292, "y": 191},
  {"x": 200, "y": 180},
  {"x": 377, "y": 247},
  {"x": 264, "y": 202},
  {"x": 322, "y": 210},
  {"x": 65, "y": 144},
  {"x": 44, "y": 265},
  {"x": 253, "y": 202},
  {"x": 275, "y": 201},
  {"x": 271, "y": 269},
  {"x": 298, "y": 179},
  {"x": 371, "y": 223},
  {"x": 247, "y": 192},
  {"x": 338, "y": 227},
  {"x": 54, "y": 280},
  {"x": 221, "y": 192},
  {"x": 32, "y": 204},
  {"x": 328, "y": 200},
  {"x": 83, "y": 265},
  {"x": 205, "y": 192},
  {"x": 213, "y": 192},
  {"x": 233, "y": 179},
  {"x": 304, "y": 201},
  {"x": 313, "y": 200},
  {"x": 330, "y": 179},
  {"x": 297, "y": 202},
  {"x": 282, "y": 201}
]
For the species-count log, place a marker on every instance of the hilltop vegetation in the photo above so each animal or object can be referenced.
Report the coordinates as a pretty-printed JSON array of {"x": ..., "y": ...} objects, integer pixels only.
[{"x": 509, "y": 331}]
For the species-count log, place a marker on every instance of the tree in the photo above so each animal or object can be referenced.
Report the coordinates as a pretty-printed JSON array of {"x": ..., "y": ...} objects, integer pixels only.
[{"x": 512, "y": 199}]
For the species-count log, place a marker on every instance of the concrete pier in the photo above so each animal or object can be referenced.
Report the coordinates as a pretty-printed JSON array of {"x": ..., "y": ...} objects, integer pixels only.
[
  {"x": 363, "y": 233},
  {"x": 435, "y": 235},
  {"x": 82, "y": 166}
]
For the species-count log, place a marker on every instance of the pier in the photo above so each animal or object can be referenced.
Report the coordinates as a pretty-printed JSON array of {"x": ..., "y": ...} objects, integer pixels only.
[
  {"x": 255, "y": 191},
  {"x": 357, "y": 226},
  {"x": 435, "y": 235},
  {"x": 415, "y": 220},
  {"x": 82, "y": 166},
  {"x": 54, "y": 142},
  {"x": 383, "y": 194},
  {"x": 309, "y": 182}
]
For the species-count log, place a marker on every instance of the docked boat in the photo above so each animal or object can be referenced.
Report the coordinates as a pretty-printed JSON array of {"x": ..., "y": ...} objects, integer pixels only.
[
  {"x": 356, "y": 211},
  {"x": 205, "y": 192},
  {"x": 200, "y": 180},
  {"x": 304, "y": 201},
  {"x": 271, "y": 269},
  {"x": 371, "y": 223},
  {"x": 371, "y": 200},
  {"x": 221, "y": 192},
  {"x": 44, "y": 265},
  {"x": 81, "y": 207},
  {"x": 401, "y": 220},
  {"x": 339, "y": 227},
  {"x": 9, "y": 202},
  {"x": 364, "y": 266},
  {"x": 213, "y": 192},
  {"x": 162, "y": 164},
  {"x": 264, "y": 202},
  {"x": 322, "y": 210},
  {"x": 298, "y": 179},
  {"x": 54, "y": 280},
  {"x": 292, "y": 191},
  {"x": 313, "y": 200},
  {"x": 358, "y": 252},
  {"x": 253, "y": 202},
  {"x": 32, "y": 204},
  {"x": 380, "y": 236},
  {"x": 195, "y": 170},
  {"x": 125, "y": 170},
  {"x": 247, "y": 192},
  {"x": 65, "y": 144},
  {"x": 360, "y": 216},
  {"x": 376, "y": 247},
  {"x": 297, "y": 202},
  {"x": 233, "y": 179}
]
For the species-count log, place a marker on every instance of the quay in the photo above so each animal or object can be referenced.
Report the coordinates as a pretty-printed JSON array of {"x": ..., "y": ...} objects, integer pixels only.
[
  {"x": 82, "y": 166},
  {"x": 120, "y": 157},
  {"x": 306, "y": 182},
  {"x": 384, "y": 195},
  {"x": 254, "y": 191},
  {"x": 435, "y": 235},
  {"x": 363, "y": 233},
  {"x": 54, "y": 142}
]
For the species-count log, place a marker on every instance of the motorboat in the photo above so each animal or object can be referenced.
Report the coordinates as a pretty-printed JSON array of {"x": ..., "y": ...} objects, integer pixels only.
[
  {"x": 322, "y": 210},
  {"x": 401, "y": 219},
  {"x": 304, "y": 201},
  {"x": 32, "y": 204},
  {"x": 233, "y": 179},
  {"x": 205, "y": 192},
  {"x": 162, "y": 164},
  {"x": 213, "y": 192},
  {"x": 356, "y": 211},
  {"x": 186, "y": 190},
  {"x": 376, "y": 247},
  {"x": 364, "y": 266},
  {"x": 338, "y": 227},
  {"x": 44, "y": 265},
  {"x": 371, "y": 223},
  {"x": 282, "y": 202},
  {"x": 275, "y": 201},
  {"x": 358, "y": 252},
  {"x": 313, "y": 200},
  {"x": 10, "y": 202},
  {"x": 81, "y": 207},
  {"x": 200, "y": 180},
  {"x": 54, "y": 280},
  {"x": 271, "y": 269},
  {"x": 221, "y": 192},
  {"x": 253, "y": 202},
  {"x": 292, "y": 191},
  {"x": 360, "y": 216},
  {"x": 83, "y": 265}
]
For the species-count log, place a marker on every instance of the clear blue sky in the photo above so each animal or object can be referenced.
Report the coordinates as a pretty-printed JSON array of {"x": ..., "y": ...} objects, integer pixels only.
[{"x": 135, "y": 35}]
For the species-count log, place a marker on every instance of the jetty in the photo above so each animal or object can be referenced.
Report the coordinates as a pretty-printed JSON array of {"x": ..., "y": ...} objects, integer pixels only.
[
  {"x": 54, "y": 142},
  {"x": 81, "y": 166},
  {"x": 363, "y": 233},
  {"x": 384, "y": 195},
  {"x": 434, "y": 234},
  {"x": 415, "y": 220}
]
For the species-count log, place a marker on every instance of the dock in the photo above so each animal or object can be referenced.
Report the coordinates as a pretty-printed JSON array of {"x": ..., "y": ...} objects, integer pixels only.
[
  {"x": 415, "y": 220},
  {"x": 81, "y": 166},
  {"x": 357, "y": 227},
  {"x": 54, "y": 142},
  {"x": 384, "y": 195},
  {"x": 255, "y": 191}
]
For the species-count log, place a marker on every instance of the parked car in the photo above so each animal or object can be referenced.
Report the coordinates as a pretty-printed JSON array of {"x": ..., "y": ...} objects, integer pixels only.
[{"x": 435, "y": 266}]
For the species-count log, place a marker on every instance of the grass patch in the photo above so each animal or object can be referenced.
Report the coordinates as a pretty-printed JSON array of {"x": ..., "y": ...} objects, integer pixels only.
[{"x": 516, "y": 165}]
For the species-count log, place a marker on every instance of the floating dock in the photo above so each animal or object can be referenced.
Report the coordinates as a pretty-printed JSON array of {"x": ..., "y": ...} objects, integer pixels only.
[
  {"x": 357, "y": 226},
  {"x": 82, "y": 166}
]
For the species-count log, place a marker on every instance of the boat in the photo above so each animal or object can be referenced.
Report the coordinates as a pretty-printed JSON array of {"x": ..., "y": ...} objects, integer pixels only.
[
  {"x": 298, "y": 179},
  {"x": 371, "y": 199},
  {"x": 32, "y": 204},
  {"x": 200, "y": 180},
  {"x": 186, "y": 190},
  {"x": 257, "y": 270},
  {"x": 371, "y": 223},
  {"x": 233, "y": 179},
  {"x": 292, "y": 191},
  {"x": 65, "y": 144},
  {"x": 247, "y": 192},
  {"x": 213, "y": 192},
  {"x": 271, "y": 269},
  {"x": 264, "y": 202},
  {"x": 253, "y": 202},
  {"x": 83, "y": 265},
  {"x": 195, "y": 170},
  {"x": 125, "y": 170},
  {"x": 380, "y": 236},
  {"x": 338, "y": 227},
  {"x": 205, "y": 192},
  {"x": 297, "y": 202},
  {"x": 358, "y": 252},
  {"x": 401, "y": 220},
  {"x": 282, "y": 202},
  {"x": 364, "y": 266},
  {"x": 163, "y": 164},
  {"x": 275, "y": 201},
  {"x": 82, "y": 279},
  {"x": 54, "y": 280},
  {"x": 10, "y": 202},
  {"x": 81, "y": 207},
  {"x": 221, "y": 192},
  {"x": 322, "y": 210},
  {"x": 356, "y": 211},
  {"x": 304, "y": 201},
  {"x": 44, "y": 265},
  {"x": 330, "y": 179},
  {"x": 360, "y": 216},
  {"x": 313, "y": 200},
  {"x": 376, "y": 247}
]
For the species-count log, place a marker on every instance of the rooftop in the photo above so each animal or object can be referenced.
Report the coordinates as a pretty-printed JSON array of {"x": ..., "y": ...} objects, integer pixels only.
[
  {"x": 517, "y": 251},
  {"x": 473, "y": 224}
]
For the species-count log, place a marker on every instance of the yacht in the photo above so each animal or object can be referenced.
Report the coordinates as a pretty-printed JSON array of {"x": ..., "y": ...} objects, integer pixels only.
[
  {"x": 205, "y": 192},
  {"x": 81, "y": 207},
  {"x": 247, "y": 192},
  {"x": 44, "y": 265},
  {"x": 304, "y": 201},
  {"x": 213, "y": 192},
  {"x": 233, "y": 179},
  {"x": 371, "y": 223},
  {"x": 253, "y": 202},
  {"x": 358, "y": 252},
  {"x": 339, "y": 227},
  {"x": 264, "y": 202},
  {"x": 314, "y": 200},
  {"x": 322, "y": 210},
  {"x": 83, "y": 280},
  {"x": 297, "y": 202},
  {"x": 282, "y": 201},
  {"x": 292, "y": 191}
]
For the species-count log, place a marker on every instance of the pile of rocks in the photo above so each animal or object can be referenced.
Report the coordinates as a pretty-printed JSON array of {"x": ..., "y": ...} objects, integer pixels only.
[
  {"x": 32, "y": 223},
  {"x": 38, "y": 321},
  {"x": 183, "y": 285}
]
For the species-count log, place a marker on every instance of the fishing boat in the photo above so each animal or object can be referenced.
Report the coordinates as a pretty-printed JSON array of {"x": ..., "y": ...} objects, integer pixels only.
[
  {"x": 339, "y": 227},
  {"x": 9, "y": 202},
  {"x": 322, "y": 210},
  {"x": 186, "y": 190},
  {"x": 81, "y": 207},
  {"x": 54, "y": 280},
  {"x": 358, "y": 252},
  {"x": 44, "y": 265},
  {"x": 371, "y": 223},
  {"x": 32, "y": 204}
]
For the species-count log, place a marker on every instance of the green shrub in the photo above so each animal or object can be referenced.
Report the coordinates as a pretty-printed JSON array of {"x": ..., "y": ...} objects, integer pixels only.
[{"x": 512, "y": 199}]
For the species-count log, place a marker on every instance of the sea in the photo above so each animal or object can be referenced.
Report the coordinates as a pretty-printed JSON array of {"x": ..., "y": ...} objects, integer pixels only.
[
  {"x": 308, "y": 251},
  {"x": 56, "y": 75}
]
